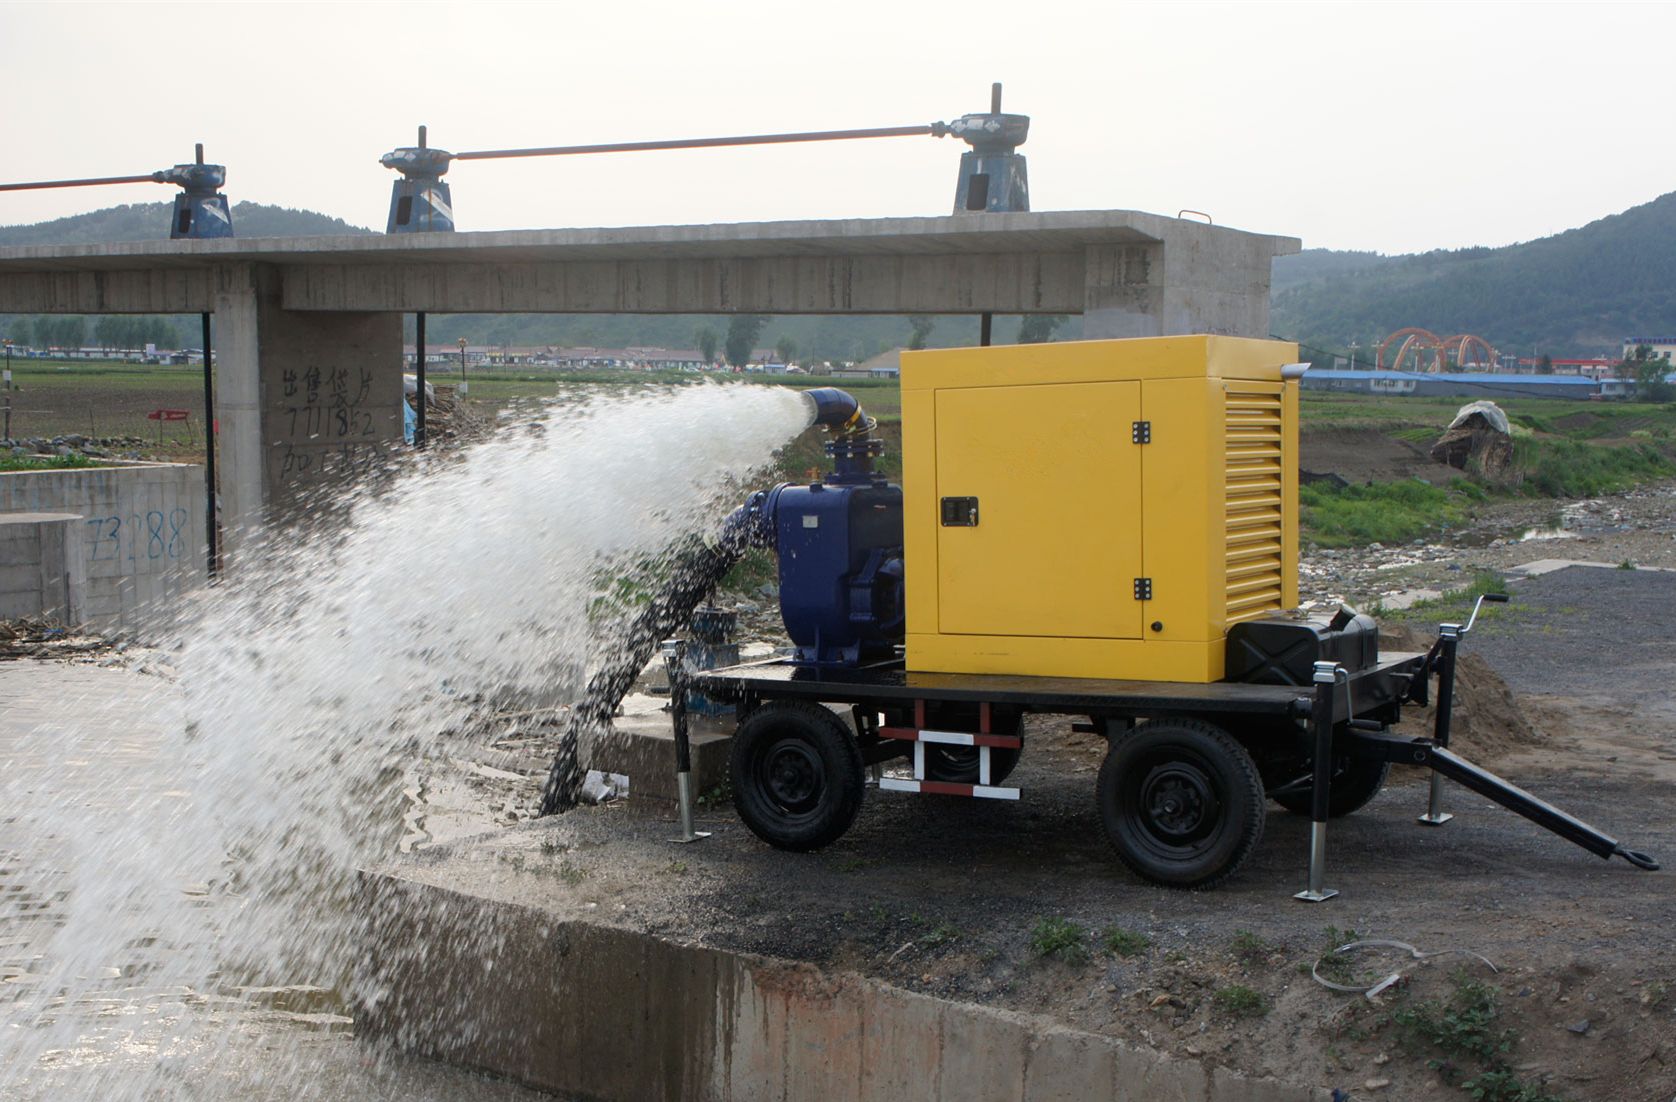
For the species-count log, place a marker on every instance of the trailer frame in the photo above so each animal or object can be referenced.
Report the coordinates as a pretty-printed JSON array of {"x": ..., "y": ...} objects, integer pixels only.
[{"x": 1341, "y": 715}]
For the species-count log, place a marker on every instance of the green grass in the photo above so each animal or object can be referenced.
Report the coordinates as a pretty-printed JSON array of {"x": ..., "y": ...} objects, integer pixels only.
[
  {"x": 1572, "y": 468},
  {"x": 1124, "y": 943},
  {"x": 9, "y": 462},
  {"x": 1059, "y": 937},
  {"x": 1382, "y": 512},
  {"x": 1456, "y": 605},
  {"x": 1240, "y": 1001}
]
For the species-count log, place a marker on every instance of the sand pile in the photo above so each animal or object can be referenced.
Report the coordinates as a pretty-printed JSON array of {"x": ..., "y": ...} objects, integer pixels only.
[{"x": 1488, "y": 723}]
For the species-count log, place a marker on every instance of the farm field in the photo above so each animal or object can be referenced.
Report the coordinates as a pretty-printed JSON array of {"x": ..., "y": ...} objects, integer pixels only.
[{"x": 1563, "y": 448}]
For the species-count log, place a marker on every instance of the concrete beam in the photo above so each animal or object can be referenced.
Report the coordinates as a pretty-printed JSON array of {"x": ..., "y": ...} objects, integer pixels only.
[
  {"x": 957, "y": 283},
  {"x": 1032, "y": 262}
]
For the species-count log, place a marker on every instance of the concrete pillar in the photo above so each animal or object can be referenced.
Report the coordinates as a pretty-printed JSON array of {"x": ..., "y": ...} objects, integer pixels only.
[
  {"x": 308, "y": 401},
  {"x": 238, "y": 414}
]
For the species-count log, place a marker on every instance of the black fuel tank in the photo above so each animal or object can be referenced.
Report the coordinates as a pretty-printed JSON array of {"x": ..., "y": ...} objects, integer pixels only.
[{"x": 1284, "y": 651}]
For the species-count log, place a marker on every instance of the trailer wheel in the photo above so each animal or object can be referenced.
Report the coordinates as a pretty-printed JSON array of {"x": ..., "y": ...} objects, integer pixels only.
[
  {"x": 797, "y": 775},
  {"x": 1181, "y": 801},
  {"x": 1355, "y": 782},
  {"x": 959, "y": 764}
]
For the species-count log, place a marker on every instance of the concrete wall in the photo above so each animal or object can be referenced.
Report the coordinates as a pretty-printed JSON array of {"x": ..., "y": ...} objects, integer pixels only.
[
  {"x": 43, "y": 573},
  {"x": 141, "y": 532},
  {"x": 598, "y": 1012}
]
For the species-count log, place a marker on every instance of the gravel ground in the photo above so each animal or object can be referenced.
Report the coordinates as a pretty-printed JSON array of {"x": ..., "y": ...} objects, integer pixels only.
[
  {"x": 1584, "y": 631},
  {"x": 943, "y": 895}
]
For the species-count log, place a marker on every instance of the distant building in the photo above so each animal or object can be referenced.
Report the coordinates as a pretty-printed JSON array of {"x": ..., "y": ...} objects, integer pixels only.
[
  {"x": 886, "y": 365},
  {"x": 1662, "y": 347},
  {"x": 1598, "y": 367},
  {"x": 1473, "y": 384}
]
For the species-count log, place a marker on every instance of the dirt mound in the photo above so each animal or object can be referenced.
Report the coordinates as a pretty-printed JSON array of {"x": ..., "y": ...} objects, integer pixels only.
[
  {"x": 1366, "y": 455},
  {"x": 1487, "y": 724}
]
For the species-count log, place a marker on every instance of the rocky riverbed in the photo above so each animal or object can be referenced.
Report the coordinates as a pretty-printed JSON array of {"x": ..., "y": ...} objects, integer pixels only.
[{"x": 1636, "y": 527}]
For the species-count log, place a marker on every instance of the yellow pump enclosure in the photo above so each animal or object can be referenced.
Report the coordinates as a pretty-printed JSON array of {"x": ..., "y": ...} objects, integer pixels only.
[{"x": 1097, "y": 508}]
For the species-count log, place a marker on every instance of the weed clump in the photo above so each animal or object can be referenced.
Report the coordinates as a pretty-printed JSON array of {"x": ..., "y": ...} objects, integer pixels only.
[
  {"x": 1249, "y": 949},
  {"x": 1464, "y": 1027},
  {"x": 1059, "y": 937},
  {"x": 1240, "y": 1001},
  {"x": 1124, "y": 943}
]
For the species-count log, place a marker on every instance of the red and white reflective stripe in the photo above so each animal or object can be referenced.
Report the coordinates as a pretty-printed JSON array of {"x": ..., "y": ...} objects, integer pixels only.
[
  {"x": 950, "y": 738},
  {"x": 947, "y": 788}
]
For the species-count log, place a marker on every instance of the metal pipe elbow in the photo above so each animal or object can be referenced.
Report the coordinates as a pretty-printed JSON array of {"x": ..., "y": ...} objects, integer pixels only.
[{"x": 838, "y": 410}]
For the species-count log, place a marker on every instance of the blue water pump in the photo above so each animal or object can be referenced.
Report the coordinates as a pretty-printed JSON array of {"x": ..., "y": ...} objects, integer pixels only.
[{"x": 839, "y": 542}]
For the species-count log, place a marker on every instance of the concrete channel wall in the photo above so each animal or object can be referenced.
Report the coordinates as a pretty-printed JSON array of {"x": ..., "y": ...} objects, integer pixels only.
[
  {"x": 598, "y": 1012},
  {"x": 140, "y": 530}
]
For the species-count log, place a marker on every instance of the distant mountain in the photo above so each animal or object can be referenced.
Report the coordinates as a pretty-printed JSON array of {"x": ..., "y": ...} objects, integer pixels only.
[
  {"x": 150, "y": 222},
  {"x": 1580, "y": 292},
  {"x": 1313, "y": 265}
]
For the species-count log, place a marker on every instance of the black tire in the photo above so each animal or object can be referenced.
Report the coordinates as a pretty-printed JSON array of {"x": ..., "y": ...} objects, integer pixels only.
[
  {"x": 1355, "y": 782},
  {"x": 797, "y": 775},
  {"x": 1181, "y": 801},
  {"x": 959, "y": 764}
]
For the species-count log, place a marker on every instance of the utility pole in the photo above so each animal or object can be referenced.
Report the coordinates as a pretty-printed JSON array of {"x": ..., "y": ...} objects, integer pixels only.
[
  {"x": 7, "y": 433},
  {"x": 1353, "y": 346},
  {"x": 462, "y": 365}
]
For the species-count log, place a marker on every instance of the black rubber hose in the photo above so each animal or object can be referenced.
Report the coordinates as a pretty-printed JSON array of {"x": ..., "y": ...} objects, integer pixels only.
[{"x": 697, "y": 566}]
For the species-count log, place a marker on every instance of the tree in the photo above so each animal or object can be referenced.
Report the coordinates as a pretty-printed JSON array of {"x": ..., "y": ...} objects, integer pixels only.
[
  {"x": 708, "y": 342},
  {"x": 1545, "y": 365},
  {"x": 923, "y": 324},
  {"x": 1628, "y": 369},
  {"x": 21, "y": 331},
  {"x": 1039, "y": 328},
  {"x": 786, "y": 347},
  {"x": 65, "y": 331},
  {"x": 742, "y": 330},
  {"x": 1648, "y": 372}
]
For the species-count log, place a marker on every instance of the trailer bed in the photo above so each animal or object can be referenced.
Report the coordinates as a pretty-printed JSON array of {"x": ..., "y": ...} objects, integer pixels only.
[{"x": 888, "y": 680}]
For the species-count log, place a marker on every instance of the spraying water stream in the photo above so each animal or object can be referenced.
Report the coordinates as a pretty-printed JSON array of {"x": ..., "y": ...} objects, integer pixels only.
[{"x": 221, "y": 857}]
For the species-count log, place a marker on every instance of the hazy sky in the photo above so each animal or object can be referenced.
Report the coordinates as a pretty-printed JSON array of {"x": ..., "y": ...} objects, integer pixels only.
[{"x": 1388, "y": 126}]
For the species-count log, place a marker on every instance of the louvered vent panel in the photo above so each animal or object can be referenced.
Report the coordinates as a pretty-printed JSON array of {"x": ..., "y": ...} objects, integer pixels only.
[{"x": 1254, "y": 504}]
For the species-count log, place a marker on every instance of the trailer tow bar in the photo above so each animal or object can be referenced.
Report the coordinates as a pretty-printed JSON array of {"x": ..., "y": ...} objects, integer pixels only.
[
  {"x": 1434, "y": 753},
  {"x": 1446, "y": 763}
]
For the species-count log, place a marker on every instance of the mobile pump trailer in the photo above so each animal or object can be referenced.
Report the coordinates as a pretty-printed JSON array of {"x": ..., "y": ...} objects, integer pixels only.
[{"x": 1100, "y": 529}]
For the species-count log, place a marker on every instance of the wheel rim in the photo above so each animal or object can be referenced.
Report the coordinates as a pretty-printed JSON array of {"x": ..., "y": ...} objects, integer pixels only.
[
  {"x": 1173, "y": 806},
  {"x": 793, "y": 777}
]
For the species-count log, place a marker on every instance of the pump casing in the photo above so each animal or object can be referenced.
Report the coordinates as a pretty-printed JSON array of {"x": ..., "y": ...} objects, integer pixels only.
[{"x": 1097, "y": 508}]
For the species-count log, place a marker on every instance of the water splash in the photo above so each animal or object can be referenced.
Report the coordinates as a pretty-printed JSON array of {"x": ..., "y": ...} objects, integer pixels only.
[{"x": 312, "y": 682}]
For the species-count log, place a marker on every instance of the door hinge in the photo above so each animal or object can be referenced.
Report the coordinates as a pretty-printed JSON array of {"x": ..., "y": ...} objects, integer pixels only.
[
  {"x": 1143, "y": 589},
  {"x": 1140, "y": 432}
]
